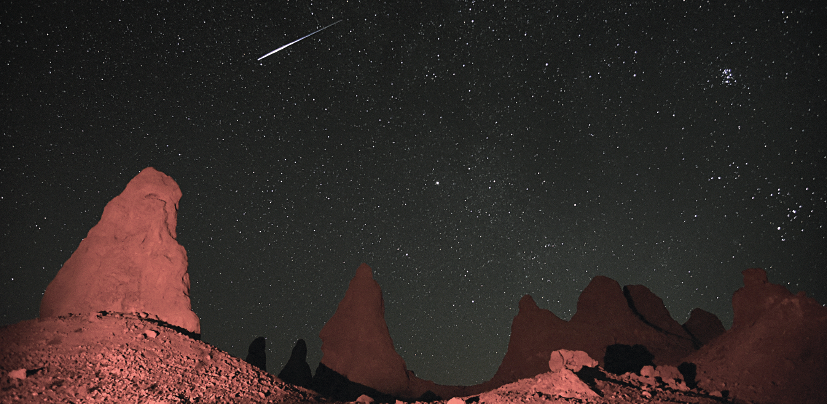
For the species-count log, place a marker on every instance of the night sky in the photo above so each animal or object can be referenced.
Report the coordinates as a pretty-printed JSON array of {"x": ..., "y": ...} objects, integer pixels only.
[{"x": 470, "y": 152}]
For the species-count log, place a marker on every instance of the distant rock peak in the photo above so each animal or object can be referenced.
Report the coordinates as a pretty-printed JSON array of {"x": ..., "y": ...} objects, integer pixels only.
[{"x": 527, "y": 303}]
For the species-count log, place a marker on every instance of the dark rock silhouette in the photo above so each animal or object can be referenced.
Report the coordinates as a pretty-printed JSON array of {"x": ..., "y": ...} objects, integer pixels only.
[
  {"x": 776, "y": 350},
  {"x": 332, "y": 384},
  {"x": 130, "y": 261},
  {"x": 296, "y": 371},
  {"x": 689, "y": 372},
  {"x": 257, "y": 353},
  {"x": 622, "y": 358},
  {"x": 703, "y": 326}
]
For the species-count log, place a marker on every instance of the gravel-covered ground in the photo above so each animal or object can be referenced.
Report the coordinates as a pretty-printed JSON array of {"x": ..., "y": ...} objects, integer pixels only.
[
  {"x": 117, "y": 358},
  {"x": 126, "y": 358}
]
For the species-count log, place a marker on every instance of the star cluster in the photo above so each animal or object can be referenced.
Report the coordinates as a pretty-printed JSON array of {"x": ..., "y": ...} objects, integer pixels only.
[{"x": 470, "y": 152}]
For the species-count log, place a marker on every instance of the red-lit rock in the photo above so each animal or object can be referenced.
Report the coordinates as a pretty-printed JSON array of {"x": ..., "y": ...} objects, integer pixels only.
[
  {"x": 129, "y": 261},
  {"x": 652, "y": 311},
  {"x": 602, "y": 302},
  {"x": 703, "y": 326},
  {"x": 356, "y": 342},
  {"x": 571, "y": 360},
  {"x": 604, "y": 317},
  {"x": 774, "y": 353},
  {"x": 533, "y": 332},
  {"x": 757, "y": 295}
]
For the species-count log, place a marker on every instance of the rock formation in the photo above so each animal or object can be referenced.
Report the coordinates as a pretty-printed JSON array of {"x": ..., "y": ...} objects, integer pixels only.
[
  {"x": 358, "y": 355},
  {"x": 296, "y": 371},
  {"x": 703, "y": 326},
  {"x": 129, "y": 261},
  {"x": 776, "y": 350},
  {"x": 533, "y": 332},
  {"x": 605, "y": 316},
  {"x": 356, "y": 342},
  {"x": 571, "y": 360},
  {"x": 755, "y": 298},
  {"x": 257, "y": 353},
  {"x": 652, "y": 311}
]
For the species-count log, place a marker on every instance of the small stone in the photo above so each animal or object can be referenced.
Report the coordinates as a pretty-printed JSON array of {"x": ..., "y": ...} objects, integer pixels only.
[
  {"x": 150, "y": 334},
  {"x": 364, "y": 399},
  {"x": 18, "y": 374},
  {"x": 456, "y": 400}
]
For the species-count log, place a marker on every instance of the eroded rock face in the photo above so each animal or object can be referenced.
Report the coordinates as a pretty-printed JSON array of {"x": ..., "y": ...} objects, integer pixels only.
[
  {"x": 775, "y": 351},
  {"x": 652, "y": 311},
  {"x": 604, "y": 318},
  {"x": 703, "y": 326},
  {"x": 533, "y": 332},
  {"x": 757, "y": 295},
  {"x": 356, "y": 342},
  {"x": 129, "y": 261},
  {"x": 602, "y": 302}
]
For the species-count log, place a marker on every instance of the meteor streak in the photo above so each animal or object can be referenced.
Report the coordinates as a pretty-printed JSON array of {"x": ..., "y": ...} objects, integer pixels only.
[{"x": 316, "y": 31}]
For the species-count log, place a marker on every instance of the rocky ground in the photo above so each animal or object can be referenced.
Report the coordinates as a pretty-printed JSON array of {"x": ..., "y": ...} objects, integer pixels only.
[
  {"x": 127, "y": 358},
  {"x": 117, "y": 358}
]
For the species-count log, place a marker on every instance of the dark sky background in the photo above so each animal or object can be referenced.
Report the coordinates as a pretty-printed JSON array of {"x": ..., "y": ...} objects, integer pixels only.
[{"x": 470, "y": 152}]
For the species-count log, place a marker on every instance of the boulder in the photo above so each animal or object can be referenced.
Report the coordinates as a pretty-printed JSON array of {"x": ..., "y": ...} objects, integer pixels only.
[
  {"x": 563, "y": 384},
  {"x": 571, "y": 360},
  {"x": 622, "y": 358},
  {"x": 664, "y": 376},
  {"x": 703, "y": 326},
  {"x": 296, "y": 371},
  {"x": 364, "y": 399},
  {"x": 130, "y": 261}
]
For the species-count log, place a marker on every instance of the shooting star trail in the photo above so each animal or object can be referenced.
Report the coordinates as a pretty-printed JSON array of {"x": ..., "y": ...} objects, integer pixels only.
[{"x": 314, "y": 32}]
